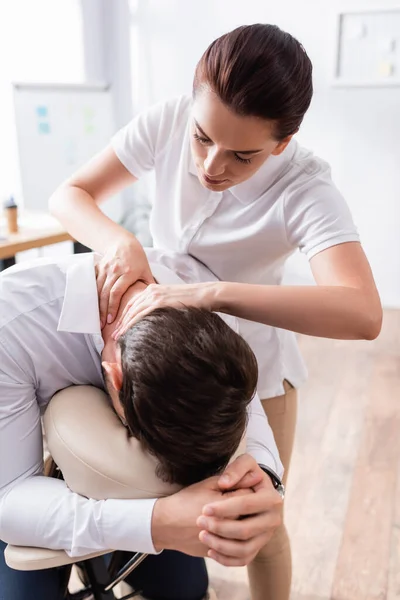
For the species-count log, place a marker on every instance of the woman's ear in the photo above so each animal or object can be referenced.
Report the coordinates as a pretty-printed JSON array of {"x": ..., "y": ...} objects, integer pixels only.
[{"x": 282, "y": 145}]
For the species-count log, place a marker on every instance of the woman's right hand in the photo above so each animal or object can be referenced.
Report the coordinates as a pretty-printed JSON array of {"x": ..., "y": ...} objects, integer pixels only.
[{"x": 121, "y": 266}]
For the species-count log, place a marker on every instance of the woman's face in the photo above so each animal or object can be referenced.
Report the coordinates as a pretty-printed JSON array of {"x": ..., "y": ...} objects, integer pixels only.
[{"x": 228, "y": 148}]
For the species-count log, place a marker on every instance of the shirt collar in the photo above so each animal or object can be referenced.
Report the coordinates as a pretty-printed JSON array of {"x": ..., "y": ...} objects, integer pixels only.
[
  {"x": 163, "y": 274},
  {"x": 250, "y": 190},
  {"x": 80, "y": 309}
]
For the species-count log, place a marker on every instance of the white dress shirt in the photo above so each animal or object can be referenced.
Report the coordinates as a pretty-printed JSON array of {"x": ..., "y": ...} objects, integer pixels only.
[
  {"x": 50, "y": 339},
  {"x": 243, "y": 234}
]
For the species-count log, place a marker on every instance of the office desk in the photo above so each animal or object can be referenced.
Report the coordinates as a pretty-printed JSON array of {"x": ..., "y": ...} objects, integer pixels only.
[{"x": 36, "y": 229}]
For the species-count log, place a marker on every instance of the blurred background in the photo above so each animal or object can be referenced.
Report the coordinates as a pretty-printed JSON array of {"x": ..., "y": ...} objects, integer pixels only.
[
  {"x": 146, "y": 50},
  {"x": 105, "y": 60}
]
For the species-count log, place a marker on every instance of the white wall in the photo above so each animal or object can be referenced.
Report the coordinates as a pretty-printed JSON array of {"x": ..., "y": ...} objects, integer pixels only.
[
  {"x": 356, "y": 130},
  {"x": 33, "y": 50}
]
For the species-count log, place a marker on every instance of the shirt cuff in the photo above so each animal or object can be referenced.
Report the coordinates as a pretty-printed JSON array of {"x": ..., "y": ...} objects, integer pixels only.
[
  {"x": 126, "y": 525},
  {"x": 264, "y": 457}
]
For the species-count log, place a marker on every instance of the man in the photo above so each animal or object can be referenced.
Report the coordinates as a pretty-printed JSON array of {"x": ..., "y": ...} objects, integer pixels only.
[{"x": 50, "y": 338}]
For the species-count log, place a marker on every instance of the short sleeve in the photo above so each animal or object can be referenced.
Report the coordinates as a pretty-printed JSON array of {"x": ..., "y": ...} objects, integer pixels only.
[
  {"x": 139, "y": 143},
  {"x": 317, "y": 216}
]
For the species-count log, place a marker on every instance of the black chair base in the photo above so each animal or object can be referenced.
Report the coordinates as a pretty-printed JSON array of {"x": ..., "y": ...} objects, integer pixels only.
[{"x": 100, "y": 579}]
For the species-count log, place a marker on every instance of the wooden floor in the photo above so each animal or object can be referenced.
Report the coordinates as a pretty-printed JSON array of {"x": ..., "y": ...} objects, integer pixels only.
[{"x": 343, "y": 497}]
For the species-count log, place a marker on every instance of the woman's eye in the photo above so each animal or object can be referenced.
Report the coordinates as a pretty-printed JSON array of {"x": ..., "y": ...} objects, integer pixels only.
[
  {"x": 245, "y": 161},
  {"x": 200, "y": 139},
  {"x": 205, "y": 142}
]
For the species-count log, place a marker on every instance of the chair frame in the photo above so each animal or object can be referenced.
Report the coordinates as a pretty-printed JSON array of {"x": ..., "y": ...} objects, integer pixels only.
[{"x": 99, "y": 578}]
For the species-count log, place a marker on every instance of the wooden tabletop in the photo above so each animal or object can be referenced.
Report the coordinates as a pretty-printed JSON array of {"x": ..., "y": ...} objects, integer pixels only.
[{"x": 36, "y": 229}]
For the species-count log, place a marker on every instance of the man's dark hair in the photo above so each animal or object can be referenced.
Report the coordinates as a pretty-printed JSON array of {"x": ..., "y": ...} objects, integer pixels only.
[
  {"x": 187, "y": 381},
  {"x": 260, "y": 71}
]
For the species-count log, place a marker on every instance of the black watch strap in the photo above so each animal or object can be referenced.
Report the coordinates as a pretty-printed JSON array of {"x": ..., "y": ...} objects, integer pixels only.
[{"x": 276, "y": 481}]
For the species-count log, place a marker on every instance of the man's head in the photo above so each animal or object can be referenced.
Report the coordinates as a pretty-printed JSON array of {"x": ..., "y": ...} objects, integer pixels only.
[{"x": 186, "y": 381}]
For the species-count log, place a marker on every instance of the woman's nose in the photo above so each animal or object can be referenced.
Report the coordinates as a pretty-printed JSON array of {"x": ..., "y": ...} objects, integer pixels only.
[{"x": 214, "y": 163}]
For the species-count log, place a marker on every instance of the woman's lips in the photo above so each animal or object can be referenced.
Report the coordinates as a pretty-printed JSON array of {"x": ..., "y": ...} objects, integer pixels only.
[{"x": 213, "y": 181}]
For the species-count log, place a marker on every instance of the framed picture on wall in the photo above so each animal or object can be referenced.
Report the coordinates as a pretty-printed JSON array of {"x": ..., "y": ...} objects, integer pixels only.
[{"x": 368, "y": 48}]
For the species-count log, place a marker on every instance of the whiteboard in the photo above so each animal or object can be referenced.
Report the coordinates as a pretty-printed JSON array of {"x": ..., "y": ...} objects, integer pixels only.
[{"x": 59, "y": 128}]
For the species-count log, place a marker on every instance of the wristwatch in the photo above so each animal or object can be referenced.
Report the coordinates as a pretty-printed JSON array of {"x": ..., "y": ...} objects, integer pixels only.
[{"x": 276, "y": 482}]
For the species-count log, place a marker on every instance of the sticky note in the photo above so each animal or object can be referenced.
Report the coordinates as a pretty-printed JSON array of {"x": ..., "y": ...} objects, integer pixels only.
[
  {"x": 44, "y": 127},
  {"x": 42, "y": 111},
  {"x": 385, "y": 68},
  {"x": 88, "y": 112}
]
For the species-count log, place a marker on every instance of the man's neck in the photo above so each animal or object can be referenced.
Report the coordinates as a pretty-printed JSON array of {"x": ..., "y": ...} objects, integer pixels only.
[{"x": 131, "y": 292}]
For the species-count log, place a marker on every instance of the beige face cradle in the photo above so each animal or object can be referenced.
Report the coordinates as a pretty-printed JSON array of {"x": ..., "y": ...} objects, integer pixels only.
[{"x": 98, "y": 459}]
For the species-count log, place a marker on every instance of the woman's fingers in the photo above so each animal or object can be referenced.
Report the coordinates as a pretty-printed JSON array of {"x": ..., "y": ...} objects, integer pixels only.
[
  {"x": 157, "y": 296},
  {"x": 130, "y": 306},
  {"x": 101, "y": 276},
  {"x": 117, "y": 290},
  {"x": 121, "y": 266},
  {"x": 136, "y": 309},
  {"x": 130, "y": 321},
  {"x": 104, "y": 297}
]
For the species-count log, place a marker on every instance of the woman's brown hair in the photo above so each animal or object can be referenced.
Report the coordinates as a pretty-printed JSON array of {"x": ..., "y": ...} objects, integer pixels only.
[{"x": 261, "y": 71}]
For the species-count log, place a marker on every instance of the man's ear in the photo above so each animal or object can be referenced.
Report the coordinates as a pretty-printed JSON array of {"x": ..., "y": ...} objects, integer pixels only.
[
  {"x": 114, "y": 374},
  {"x": 282, "y": 145}
]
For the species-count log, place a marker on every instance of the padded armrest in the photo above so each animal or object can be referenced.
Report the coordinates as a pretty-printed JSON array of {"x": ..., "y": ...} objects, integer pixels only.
[{"x": 23, "y": 558}]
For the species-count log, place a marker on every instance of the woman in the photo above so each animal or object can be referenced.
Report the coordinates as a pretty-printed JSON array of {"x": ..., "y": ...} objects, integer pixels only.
[{"x": 236, "y": 192}]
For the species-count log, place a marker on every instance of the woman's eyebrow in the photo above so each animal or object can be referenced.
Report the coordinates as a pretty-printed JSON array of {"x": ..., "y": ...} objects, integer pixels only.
[
  {"x": 236, "y": 151},
  {"x": 201, "y": 130}
]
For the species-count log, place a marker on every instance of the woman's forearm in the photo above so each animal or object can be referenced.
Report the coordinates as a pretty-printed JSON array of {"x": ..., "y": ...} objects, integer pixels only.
[
  {"x": 84, "y": 220},
  {"x": 324, "y": 311}
]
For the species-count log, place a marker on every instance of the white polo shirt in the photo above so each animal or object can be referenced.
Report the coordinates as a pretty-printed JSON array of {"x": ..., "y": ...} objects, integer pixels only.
[
  {"x": 50, "y": 339},
  {"x": 244, "y": 234}
]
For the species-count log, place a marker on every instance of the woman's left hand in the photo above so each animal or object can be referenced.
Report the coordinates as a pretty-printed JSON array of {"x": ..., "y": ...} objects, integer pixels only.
[{"x": 199, "y": 295}]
